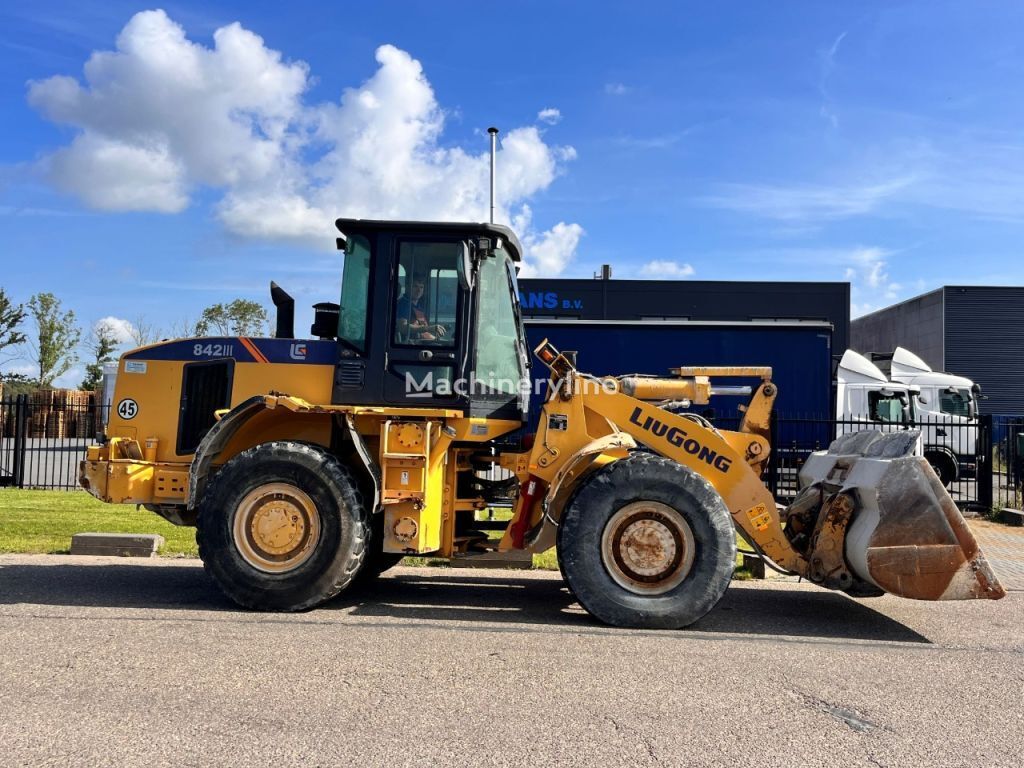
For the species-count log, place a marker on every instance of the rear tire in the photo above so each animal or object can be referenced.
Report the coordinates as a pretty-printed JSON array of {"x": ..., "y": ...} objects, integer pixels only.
[
  {"x": 282, "y": 527},
  {"x": 647, "y": 543}
]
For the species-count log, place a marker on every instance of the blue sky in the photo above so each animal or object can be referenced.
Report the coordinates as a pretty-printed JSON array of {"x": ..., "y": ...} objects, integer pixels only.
[{"x": 872, "y": 142}]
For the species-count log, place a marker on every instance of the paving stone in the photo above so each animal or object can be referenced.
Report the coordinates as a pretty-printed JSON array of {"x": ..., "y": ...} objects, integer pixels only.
[{"x": 1004, "y": 549}]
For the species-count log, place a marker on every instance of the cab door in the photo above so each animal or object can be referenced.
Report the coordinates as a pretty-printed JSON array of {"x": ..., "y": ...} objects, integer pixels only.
[{"x": 426, "y": 329}]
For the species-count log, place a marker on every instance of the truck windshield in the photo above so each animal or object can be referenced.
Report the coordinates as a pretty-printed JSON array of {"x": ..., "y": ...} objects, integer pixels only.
[
  {"x": 355, "y": 284},
  {"x": 956, "y": 403}
]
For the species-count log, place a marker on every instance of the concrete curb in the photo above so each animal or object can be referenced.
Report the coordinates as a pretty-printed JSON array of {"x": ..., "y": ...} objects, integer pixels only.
[{"x": 116, "y": 544}]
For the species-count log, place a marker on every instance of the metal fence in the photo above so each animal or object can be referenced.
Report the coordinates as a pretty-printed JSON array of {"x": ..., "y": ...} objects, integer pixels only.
[
  {"x": 961, "y": 453},
  {"x": 1008, "y": 461},
  {"x": 43, "y": 436}
]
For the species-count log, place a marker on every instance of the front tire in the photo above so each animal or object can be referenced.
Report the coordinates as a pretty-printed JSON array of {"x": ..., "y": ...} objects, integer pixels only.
[
  {"x": 943, "y": 465},
  {"x": 282, "y": 527},
  {"x": 647, "y": 543}
]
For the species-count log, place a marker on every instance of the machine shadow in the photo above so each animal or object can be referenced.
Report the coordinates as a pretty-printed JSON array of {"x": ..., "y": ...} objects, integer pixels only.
[{"x": 448, "y": 595}]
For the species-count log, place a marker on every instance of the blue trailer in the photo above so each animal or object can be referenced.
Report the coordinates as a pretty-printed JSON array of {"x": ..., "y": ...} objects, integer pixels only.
[{"x": 799, "y": 352}]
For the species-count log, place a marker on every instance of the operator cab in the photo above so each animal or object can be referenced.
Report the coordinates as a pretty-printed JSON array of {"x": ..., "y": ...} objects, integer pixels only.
[{"x": 430, "y": 318}]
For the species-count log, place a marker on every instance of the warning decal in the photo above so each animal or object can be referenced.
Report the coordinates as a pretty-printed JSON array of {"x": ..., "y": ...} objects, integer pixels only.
[{"x": 760, "y": 517}]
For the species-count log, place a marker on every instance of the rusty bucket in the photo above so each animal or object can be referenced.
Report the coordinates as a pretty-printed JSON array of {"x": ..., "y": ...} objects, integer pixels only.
[{"x": 906, "y": 535}]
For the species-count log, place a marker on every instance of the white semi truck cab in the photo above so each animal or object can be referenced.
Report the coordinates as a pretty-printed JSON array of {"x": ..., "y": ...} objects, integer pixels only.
[
  {"x": 947, "y": 408},
  {"x": 865, "y": 397},
  {"x": 900, "y": 391}
]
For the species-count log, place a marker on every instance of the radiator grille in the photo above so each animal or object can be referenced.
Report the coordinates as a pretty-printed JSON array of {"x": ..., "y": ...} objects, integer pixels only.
[{"x": 205, "y": 389}]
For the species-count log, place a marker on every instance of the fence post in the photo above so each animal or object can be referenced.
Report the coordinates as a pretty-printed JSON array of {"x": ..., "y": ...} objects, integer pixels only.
[
  {"x": 20, "y": 430},
  {"x": 985, "y": 466}
]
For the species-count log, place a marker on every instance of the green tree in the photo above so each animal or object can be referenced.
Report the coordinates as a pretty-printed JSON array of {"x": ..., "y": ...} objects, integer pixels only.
[
  {"x": 241, "y": 317},
  {"x": 16, "y": 384},
  {"x": 57, "y": 336},
  {"x": 11, "y": 317},
  {"x": 102, "y": 345}
]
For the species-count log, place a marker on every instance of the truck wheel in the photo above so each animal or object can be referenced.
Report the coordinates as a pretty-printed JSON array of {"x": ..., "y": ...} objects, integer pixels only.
[
  {"x": 377, "y": 560},
  {"x": 647, "y": 543},
  {"x": 943, "y": 465},
  {"x": 282, "y": 527}
]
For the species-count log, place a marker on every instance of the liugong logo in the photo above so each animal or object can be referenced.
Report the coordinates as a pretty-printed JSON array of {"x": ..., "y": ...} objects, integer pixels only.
[{"x": 677, "y": 437}]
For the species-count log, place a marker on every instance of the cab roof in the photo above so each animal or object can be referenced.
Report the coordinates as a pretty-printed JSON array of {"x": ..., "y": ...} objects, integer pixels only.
[{"x": 510, "y": 241}]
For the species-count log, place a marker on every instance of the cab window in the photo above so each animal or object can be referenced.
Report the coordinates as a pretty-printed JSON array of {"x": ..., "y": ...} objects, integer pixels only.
[
  {"x": 497, "y": 347},
  {"x": 887, "y": 408},
  {"x": 355, "y": 283},
  {"x": 956, "y": 402},
  {"x": 427, "y": 287}
]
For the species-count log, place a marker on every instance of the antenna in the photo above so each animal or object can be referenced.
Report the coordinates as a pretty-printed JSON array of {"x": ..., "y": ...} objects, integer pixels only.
[{"x": 494, "y": 155}]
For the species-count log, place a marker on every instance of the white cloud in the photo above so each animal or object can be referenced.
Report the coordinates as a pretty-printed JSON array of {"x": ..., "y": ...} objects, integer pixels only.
[
  {"x": 870, "y": 284},
  {"x": 974, "y": 173},
  {"x": 549, "y": 116},
  {"x": 828, "y": 64},
  {"x": 161, "y": 114},
  {"x": 666, "y": 270},
  {"x": 806, "y": 203},
  {"x": 866, "y": 268},
  {"x": 161, "y": 117},
  {"x": 868, "y": 265},
  {"x": 113, "y": 176},
  {"x": 551, "y": 251},
  {"x": 122, "y": 330},
  {"x": 616, "y": 89}
]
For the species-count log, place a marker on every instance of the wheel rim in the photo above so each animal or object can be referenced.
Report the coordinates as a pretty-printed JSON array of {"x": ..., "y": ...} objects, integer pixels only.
[
  {"x": 647, "y": 547},
  {"x": 276, "y": 528}
]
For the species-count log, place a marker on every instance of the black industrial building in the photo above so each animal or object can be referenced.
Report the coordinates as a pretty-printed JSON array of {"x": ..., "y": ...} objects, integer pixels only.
[
  {"x": 696, "y": 300},
  {"x": 971, "y": 331},
  {"x": 649, "y": 326}
]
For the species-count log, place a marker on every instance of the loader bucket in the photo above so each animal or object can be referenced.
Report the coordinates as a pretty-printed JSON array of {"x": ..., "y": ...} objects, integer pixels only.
[{"x": 906, "y": 536}]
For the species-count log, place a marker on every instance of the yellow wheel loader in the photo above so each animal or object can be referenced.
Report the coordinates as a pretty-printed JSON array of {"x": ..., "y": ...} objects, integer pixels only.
[{"x": 309, "y": 464}]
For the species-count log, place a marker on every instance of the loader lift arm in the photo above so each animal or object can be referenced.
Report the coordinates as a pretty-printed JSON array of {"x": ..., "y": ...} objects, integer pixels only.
[{"x": 731, "y": 461}]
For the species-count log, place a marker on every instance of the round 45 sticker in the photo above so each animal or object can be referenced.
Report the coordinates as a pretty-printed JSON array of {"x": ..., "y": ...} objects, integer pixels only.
[{"x": 127, "y": 409}]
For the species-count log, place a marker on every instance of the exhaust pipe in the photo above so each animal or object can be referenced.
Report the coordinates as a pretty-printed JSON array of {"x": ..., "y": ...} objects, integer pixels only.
[
  {"x": 494, "y": 157},
  {"x": 285, "y": 305}
]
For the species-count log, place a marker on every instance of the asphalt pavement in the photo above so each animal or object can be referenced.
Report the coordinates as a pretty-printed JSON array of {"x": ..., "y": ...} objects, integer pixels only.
[{"x": 129, "y": 662}]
